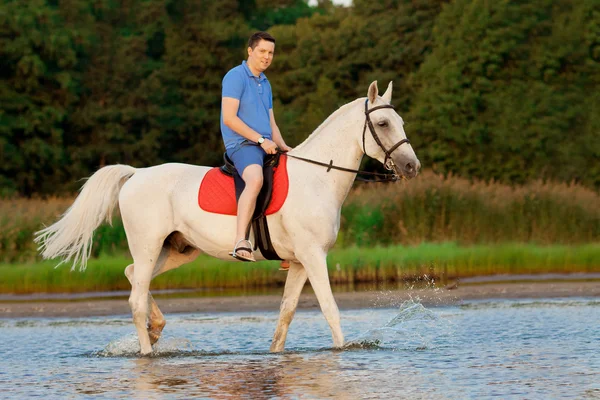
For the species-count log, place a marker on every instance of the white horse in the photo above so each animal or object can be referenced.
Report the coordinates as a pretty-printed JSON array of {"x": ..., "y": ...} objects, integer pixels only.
[{"x": 166, "y": 228}]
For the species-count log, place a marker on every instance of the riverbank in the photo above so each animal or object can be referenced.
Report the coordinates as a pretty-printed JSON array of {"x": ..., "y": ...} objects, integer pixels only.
[{"x": 452, "y": 294}]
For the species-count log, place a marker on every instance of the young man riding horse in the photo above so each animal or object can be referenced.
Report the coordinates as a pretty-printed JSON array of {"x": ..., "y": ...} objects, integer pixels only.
[{"x": 249, "y": 129}]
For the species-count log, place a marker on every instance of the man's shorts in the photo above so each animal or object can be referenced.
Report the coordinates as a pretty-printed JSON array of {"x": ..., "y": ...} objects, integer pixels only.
[{"x": 245, "y": 154}]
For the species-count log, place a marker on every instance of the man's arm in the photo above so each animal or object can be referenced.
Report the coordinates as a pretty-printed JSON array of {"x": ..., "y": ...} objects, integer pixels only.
[
  {"x": 230, "y": 108},
  {"x": 277, "y": 138}
]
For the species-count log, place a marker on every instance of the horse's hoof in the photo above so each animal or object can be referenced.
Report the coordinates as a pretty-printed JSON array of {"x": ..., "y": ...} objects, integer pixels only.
[
  {"x": 146, "y": 353},
  {"x": 155, "y": 331},
  {"x": 154, "y": 336}
]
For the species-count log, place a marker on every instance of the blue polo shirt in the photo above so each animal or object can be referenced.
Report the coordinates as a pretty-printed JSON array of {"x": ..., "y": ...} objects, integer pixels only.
[{"x": 256, "y": 99}]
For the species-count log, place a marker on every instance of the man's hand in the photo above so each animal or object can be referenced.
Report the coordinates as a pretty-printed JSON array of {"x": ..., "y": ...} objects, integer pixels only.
[
  {"x": 269, "y": 146},
  {"x": 285, "y": 148}
]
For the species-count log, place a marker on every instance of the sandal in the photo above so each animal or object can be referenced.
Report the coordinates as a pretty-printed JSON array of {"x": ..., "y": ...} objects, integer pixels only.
[{"x": 235, "y": 255}]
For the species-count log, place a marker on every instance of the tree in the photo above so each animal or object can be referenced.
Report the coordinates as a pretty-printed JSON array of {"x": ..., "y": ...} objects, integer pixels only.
[
  {"x": 40, "y": 69},
  {"x": 508, "y": 92}
]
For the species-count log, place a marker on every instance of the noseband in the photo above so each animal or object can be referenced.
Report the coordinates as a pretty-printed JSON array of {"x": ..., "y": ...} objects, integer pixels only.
[{"x": 388, "y": 153}]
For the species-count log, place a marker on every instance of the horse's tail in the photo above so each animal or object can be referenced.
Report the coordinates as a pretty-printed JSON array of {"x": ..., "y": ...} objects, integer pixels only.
[{"x": 71, "y": 236}]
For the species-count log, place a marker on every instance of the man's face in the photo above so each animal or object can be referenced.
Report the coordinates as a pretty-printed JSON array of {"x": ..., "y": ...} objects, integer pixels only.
[{"x": 260, "y": 58}]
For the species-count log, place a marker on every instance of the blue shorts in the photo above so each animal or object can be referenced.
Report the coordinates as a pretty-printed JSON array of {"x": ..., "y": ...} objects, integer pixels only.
[{"x": 245, "y": 154}]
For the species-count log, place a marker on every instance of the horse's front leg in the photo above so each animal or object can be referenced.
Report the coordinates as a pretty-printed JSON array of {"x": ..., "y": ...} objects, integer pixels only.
[
  {"x": 293, "y": 287},
  {"x": 315, "y": 264}
]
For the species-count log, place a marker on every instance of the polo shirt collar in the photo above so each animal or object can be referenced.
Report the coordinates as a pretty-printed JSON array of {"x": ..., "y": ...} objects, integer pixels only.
[{"x": 261, "y": 77}]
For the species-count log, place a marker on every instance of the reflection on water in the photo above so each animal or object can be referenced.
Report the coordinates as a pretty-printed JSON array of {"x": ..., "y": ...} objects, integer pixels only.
[
  {"x": 258, "y": 376},
  {"x": 508, "y": 349}
]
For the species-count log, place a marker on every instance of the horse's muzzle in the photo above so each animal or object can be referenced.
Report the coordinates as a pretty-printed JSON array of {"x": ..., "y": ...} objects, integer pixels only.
[{"x": 411, "y": 168}]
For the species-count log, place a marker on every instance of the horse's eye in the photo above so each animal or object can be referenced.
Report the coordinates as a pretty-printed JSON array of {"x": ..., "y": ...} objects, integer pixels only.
[{"x": 382, "y": 124}]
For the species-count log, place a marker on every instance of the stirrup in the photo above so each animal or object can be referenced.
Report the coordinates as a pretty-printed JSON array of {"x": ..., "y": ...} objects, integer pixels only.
[{"x": 235, "y": 255}]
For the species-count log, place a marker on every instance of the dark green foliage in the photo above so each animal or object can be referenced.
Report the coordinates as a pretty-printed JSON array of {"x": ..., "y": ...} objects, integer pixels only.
[
  {"x": 494, "y": 90},
  {"x": 262, "y": 14},
  {"x": 40, "y": 81},
  {"x": 510, "y": 91}
]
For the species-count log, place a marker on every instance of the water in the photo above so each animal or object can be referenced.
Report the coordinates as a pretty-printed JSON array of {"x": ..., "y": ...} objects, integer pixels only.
[{"x": 537, "y": 349}]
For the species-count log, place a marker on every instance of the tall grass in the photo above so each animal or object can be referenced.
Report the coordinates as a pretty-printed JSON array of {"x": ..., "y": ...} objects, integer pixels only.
[
  {"x": 21, "y": 218},
  {"x": 429, "y": 208},
  {"x": 432, "y": 208},
  {"x": 346, "y": 266}
]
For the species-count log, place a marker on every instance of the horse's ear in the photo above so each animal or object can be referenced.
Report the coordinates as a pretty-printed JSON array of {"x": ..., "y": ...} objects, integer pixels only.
[
  {"x": 373, "y": 92},
  {"x": 387, "y": 96}
]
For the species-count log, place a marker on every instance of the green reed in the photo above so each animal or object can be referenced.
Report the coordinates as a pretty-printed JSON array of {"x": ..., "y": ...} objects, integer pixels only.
[
  {"x": 436, "y": 209},
  {"x": 429, "y": 208},
  {"x": 21, "y": 218},
  {"x": 346, "y": 266}
]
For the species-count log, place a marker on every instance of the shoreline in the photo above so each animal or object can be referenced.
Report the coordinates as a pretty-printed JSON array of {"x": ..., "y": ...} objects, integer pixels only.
[{"x": 451, "y": 295}]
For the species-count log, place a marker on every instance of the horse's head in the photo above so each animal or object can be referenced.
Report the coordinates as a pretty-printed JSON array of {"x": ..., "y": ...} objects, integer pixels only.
[{"x": 383, "y": 135}]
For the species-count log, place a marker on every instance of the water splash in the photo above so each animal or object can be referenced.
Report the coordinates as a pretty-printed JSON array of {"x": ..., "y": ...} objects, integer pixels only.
[
  {"x": 409, "y": 311},
  {"x": 413, "y": 328},
  {"x": 122, "y": 347},
  {"x": 169, "y": 345},
  {"x": 129, "y": 346}
]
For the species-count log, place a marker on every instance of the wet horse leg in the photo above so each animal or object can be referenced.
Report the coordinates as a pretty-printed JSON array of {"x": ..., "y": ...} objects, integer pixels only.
[
  {"x": 293, "y": 287},
  {"x": 156, "y": 320},
  {"x": 315, "y": 263},
  {"x": 138, "y": 300},
  {"x": 170, "y": 258}
]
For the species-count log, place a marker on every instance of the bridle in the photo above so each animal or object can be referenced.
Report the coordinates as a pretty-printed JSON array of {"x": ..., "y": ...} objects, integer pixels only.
[{"x": 388, "y": 162}]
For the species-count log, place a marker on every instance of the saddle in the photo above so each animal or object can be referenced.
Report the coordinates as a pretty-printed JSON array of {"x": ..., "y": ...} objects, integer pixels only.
[{"x": 222, "y": 186}]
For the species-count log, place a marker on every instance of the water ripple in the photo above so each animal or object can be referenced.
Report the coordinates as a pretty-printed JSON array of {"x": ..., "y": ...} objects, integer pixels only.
[{"x": 480, "y": 349}]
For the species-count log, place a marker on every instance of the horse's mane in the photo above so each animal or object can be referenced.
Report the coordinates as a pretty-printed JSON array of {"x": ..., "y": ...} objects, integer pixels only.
[{"x": 343, "y": 109}]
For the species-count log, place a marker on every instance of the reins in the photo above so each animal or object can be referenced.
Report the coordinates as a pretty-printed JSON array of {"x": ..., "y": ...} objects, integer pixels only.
[
  {"x": 330, "y": 166},
  {"x": 378, "y": 177}
]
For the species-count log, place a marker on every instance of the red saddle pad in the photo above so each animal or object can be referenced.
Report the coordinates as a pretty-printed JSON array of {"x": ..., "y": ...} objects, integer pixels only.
[{"x": 217, "y": 191}]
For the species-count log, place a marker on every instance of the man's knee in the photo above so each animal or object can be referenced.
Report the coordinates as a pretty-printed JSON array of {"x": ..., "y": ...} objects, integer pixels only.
[{"x": 253, "y": 177}]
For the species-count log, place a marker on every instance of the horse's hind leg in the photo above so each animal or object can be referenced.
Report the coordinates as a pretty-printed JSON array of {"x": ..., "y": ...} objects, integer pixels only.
[
  {"x": 156, "y": 320},
  {"x": 174, "y": 253},
  {"x": 293, "y": 287}
]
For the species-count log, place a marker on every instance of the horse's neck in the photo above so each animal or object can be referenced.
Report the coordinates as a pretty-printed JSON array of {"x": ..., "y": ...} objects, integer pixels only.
[{"x": 335, "y": 140}]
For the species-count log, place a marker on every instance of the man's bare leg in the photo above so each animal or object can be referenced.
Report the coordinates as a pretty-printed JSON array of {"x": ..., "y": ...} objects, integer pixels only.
[{"x": 253, "y": 178}]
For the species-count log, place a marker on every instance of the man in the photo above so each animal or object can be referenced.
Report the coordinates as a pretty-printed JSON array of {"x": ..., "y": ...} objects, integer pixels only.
[{"x": 249, "y": 129}]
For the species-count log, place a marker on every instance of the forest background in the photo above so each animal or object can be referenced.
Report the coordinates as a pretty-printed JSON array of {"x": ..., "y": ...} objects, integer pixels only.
[
  {"x": 501, "y": 101},
  {"x": 507, "y": 91}
]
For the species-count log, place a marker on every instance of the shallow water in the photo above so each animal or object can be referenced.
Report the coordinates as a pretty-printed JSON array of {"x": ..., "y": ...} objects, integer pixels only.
[{"x": 479, "y": 349}]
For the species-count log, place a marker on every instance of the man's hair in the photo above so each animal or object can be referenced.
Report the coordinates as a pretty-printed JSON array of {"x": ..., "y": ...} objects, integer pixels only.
[{"x": 257, "y": 37}]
